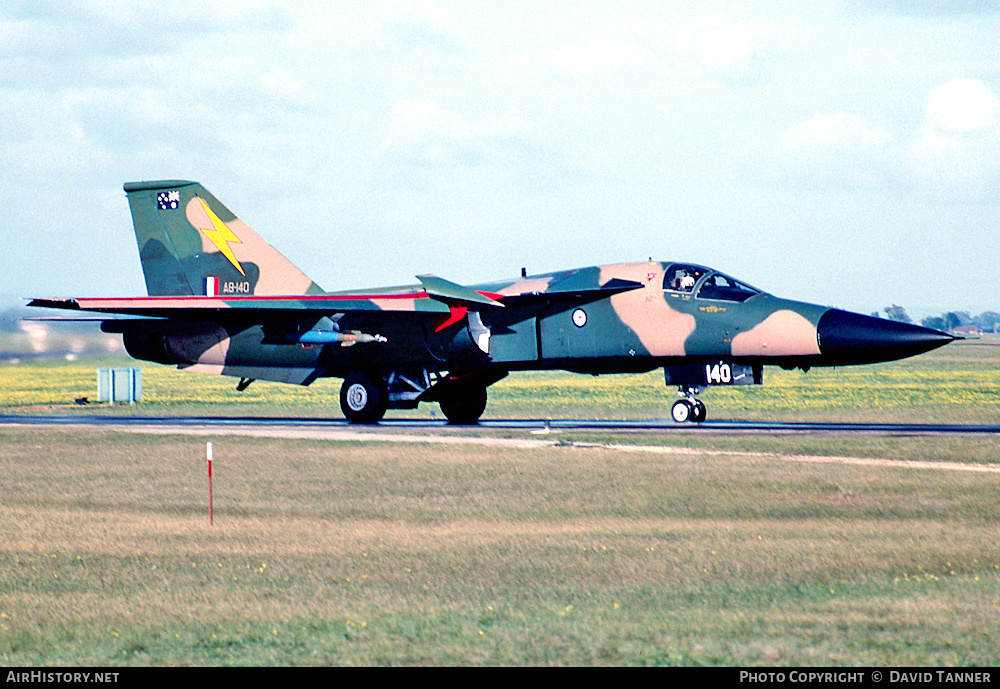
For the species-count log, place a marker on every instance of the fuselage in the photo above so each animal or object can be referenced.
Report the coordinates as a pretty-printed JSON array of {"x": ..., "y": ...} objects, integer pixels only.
[{"x": 674, "y": 314}]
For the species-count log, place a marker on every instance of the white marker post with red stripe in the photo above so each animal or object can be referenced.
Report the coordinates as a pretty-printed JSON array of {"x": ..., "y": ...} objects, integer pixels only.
[{"x": 208, "y": 450}]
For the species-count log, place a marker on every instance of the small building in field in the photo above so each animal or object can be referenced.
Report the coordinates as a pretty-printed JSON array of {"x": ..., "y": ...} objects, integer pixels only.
[{"x": 967, "y": 331}]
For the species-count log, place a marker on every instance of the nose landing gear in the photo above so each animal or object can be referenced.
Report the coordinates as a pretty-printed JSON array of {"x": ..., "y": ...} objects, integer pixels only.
[{"x": 689, "y": 408}]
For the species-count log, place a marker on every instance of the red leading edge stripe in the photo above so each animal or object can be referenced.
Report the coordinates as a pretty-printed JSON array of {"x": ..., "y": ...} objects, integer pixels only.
[
  {"x": 288, "y": 297},
  {"x": 110, "y": 302}
]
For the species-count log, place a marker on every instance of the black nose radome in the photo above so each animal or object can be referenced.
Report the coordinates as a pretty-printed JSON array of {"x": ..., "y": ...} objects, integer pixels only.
[{"x": 849, "y": 338}]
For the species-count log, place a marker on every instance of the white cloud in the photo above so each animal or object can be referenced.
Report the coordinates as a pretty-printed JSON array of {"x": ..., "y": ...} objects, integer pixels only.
[
  {"x": 726, "y": 49},
  {"x": 414, "y": 23},
  {"x": 956, "y": 153},
  {"x": 933, "y": 8},
  {"x": 235, "y": 14},
  {"x": 840, "y": 150},
  {"x": 601, "y": 56},
  {"x": 953, "y": 156},
  {"x": 421, "y": 132},
  {"x": 709, "y": 45},
  {"x": 716, "y": 42},
  {"x": 963, "y": 106}
]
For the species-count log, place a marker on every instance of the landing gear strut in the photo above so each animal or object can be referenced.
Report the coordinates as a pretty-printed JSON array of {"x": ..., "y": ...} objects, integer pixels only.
[{"x": 689, "y": 407}]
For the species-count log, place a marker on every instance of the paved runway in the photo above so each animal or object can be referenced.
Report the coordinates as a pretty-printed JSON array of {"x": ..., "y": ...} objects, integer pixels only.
[{"x": 431, "y": 425}]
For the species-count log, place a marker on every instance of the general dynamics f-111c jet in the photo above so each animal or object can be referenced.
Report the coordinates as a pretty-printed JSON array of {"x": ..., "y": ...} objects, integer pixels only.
[{"x": 223, "y": 301}]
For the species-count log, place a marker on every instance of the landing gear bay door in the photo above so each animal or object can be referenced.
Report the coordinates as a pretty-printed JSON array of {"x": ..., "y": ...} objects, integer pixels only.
[{"x": 717, "y": 373}]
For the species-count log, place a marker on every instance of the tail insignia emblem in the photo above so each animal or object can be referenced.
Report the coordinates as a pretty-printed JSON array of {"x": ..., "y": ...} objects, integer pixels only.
[
  {"x": 168, "y": 200},
  {"x": 221, "y": 236}
]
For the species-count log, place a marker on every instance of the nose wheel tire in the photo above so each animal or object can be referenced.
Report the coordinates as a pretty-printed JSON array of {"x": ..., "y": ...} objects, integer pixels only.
[
  {"x": 688, "y": 410},
  {"x": 681, "y": 411},
  {"x": 699, "y": 412}
]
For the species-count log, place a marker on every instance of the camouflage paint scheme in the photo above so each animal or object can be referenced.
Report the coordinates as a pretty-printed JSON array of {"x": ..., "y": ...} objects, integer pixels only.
[{"x": 223, "y": 301}]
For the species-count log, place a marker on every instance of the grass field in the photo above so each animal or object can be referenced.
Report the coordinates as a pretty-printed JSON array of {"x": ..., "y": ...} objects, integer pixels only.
[
  {"x": 357, "y": 553},
  {"x": 700, "y": 550},
  {"x": 959, "y": 383}
]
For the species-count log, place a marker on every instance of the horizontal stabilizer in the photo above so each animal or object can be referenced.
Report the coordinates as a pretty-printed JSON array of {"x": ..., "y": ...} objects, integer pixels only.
[
  {"x": 89, "y": 319},
  {"x": 70, "y": 304},
  {"x": 74, "y": 305}
]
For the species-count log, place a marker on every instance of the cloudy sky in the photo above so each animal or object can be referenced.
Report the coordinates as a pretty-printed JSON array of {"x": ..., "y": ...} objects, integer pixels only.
[{"x": 845, "y": 152}]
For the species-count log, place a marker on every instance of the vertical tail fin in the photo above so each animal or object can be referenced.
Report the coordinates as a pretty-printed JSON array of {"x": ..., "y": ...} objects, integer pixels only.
[{"x": 191, "y": 244}]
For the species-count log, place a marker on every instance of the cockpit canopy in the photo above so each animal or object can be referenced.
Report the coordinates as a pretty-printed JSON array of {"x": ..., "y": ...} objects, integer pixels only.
[{"x": 704, "y": 283}]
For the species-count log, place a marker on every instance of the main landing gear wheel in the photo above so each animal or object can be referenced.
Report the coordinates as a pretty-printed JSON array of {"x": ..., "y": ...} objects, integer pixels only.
[
  {"x": 685, "y": 410},
  {"x": 463, "y": 406},
  {"x": 363, "y": 399}
]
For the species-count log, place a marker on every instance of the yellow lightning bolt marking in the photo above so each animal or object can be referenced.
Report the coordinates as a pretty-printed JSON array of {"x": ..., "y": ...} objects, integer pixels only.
[{"x": 221, "y": 235}]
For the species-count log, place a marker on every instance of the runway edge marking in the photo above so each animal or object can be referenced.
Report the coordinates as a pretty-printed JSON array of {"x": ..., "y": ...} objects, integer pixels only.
[{"x": 338, "y": 435}]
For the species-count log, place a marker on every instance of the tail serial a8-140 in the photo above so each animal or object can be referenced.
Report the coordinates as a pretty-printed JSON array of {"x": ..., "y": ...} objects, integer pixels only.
[{"x": 221, "y": 300}]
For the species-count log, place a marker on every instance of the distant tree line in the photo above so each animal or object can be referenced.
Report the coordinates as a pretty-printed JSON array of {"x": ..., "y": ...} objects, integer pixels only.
[{"x": 987, "y": 321}]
